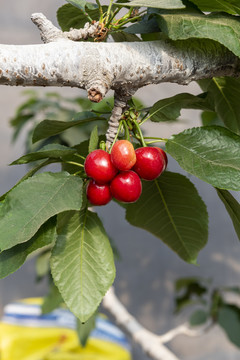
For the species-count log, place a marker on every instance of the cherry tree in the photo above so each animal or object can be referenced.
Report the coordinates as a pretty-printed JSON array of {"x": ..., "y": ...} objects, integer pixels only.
[{"x": 123, "y": 47}]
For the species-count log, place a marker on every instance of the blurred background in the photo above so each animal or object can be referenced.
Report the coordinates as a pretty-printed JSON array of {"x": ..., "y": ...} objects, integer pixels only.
[{"x": 148, "y": 269}]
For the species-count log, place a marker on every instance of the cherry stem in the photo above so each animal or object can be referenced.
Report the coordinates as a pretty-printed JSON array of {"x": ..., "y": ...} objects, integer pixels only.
[
  {"x": 140, "y": 133},
  {"x": 73, "y": 163},
  {"x": 127, "y": 135},
  {"x": 82, "y": 157},
  {"x": 156, "y": 139}
]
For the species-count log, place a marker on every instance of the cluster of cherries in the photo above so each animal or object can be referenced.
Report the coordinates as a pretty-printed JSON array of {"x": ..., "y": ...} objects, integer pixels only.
[{"x": 118, "y": 174}]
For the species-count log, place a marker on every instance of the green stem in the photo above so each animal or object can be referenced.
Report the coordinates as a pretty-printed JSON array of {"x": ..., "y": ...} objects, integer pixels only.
[
  {"x": 112, "y": 17},
  {"x": 109, "y": 11},
  {"x": 88, "y": 16},
  {"x": 156, "y": 138},
  {"x": 73, "y": 163},
  {"x": 122, "y": 23},
  {"x": 152, "y": 142},
  {"x": 145, "y": 119},
  {"x": 100, "y": 11},
  {"x": 127, "y": 135},
  {"x": 127, "y": 16},
  {"x": 140, "y": 133},
  {"x": 115, "y": 139},
  {"x": 77, "y": 173},
  {"x": 82, "y": 157}
]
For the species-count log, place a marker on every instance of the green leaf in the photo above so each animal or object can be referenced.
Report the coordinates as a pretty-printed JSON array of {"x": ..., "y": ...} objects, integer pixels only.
[
  {"x": 160, "y": 4},
  {"x": 171, "y": 209},
  {"x": 211, "y": 153},
  {"x": 19, "y": 122},
  {"x": 224, "y": 29},
  {"x": 70, "y": 16},
  {"x": 82, "y": 262},
  {"x": 145, "y": 26},
  {"x": 121, "y": 36},
  {"x": 192, "y": 290},
  {"x": 232, "y": 207},
  {"x": 169, "y": 109},
  {"x": 229, "y": 320},
  {"x": 210, "y": 118},
  {"x": 48, "y": 128},
  {"x": 52, "y": 301},
  {"x": 195, "y": 285},
  {"x": 11, "y": 260},
  {"x": 93, "y": 142},
  {"x": 30, "y": 173},
  {"x": 151, "y": 37},
  {"x": 199, "y": 317},
  {"x": 228, "y": 6},
  {"x": 84, "y": 329},
  {"x": 82, "y": 4},
  {"x": 33, "y": 202},
  {"x": 51, "y": 151},
  {"x": 42, "y": 265},
  {"x": 224, "y": 93},
  {"x": 234, "y": 289}
]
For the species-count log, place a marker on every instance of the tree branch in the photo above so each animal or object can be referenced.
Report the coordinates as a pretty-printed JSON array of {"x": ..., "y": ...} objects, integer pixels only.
[
  {"x": 148, "y": 341},
  {"x": 184, "y": 329},
  {"x": 98, "y": 67},
  {"x": 151, "y": 343}
]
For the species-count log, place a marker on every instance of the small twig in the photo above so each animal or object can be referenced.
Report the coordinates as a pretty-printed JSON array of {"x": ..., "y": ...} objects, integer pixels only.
[
  {"x": 49, "y": 32},
  {"x": 88, "y": 31},
  {"x": 184, "y": 329}
]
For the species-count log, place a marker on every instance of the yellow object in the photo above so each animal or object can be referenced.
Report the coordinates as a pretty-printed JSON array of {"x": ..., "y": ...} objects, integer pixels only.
[{"x": 25, "y": 334}]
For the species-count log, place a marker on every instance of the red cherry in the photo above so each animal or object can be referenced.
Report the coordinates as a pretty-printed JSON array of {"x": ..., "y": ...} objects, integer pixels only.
[
  {"x": 123, "y": 155},
  {"x": 150, "y": 163},
  {"x": 164, "y": 155},
  {"x": 98, "y": 166},
  {"x": 126, "y": 186},
  {"x": 98, "y": 194}
]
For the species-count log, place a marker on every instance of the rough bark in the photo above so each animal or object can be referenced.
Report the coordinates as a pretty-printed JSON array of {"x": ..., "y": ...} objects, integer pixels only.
[
  {"x": 102, "y": 66},
  {"x": 98, "y": 67}
]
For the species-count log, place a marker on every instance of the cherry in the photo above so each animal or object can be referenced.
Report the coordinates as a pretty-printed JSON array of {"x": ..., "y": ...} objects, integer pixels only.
[
  {"x": 98, "y": 194},
  {"x": 126, "y": 186},
  {"x": 123, "y": 155},
  {"x": 150, "y": 163},
  {"x": 99, "y": 167},
  {"x": 162, "y": 152}
]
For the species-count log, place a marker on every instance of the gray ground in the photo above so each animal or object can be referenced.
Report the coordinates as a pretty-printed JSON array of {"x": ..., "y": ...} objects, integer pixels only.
[{"x": 148, "y": 269}]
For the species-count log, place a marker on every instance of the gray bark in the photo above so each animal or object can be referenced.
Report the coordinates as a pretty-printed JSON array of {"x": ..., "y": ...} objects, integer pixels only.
[{"x": 98, "y": 67}]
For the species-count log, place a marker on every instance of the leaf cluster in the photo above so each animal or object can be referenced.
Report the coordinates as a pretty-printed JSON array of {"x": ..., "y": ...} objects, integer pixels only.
[{"x": 212, "y": 306}]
